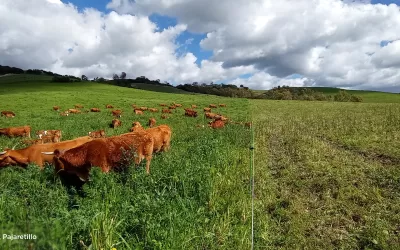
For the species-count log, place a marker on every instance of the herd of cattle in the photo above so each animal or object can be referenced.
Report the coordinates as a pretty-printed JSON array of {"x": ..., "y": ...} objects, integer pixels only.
[{"x": 78, "y": 155}]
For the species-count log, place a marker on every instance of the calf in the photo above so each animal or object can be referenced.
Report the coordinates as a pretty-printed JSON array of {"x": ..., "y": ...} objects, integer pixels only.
[
  {"x": 138, "y": 112},
  {"x": 115, "y": 123},
  {"x": 216, "y": 124},
  {"x": 143, "y": 108},
  {"x": 97, "y": 134},
  {"x": 74, "y": 111},
  {"x": 49, "y": 133},
  {"x": 24, "y": 131},
  {"x": 212, "y": 106},
  {"x": 194, "y": 106},
  {"x": 56, "y": 108},
  {"x": 78, "y": 106},
  {"x": 109, "y": 106},
  {"x": 8, "y": 114},
  {"x": 166, "y": 111},
  {"x": 207, "y": 110},
  {"x": 222, "y": 105},
  {"x": 33, "y": 154},
  {"x": 94, "y": 110},
  {"x": 210, "y": 115},
  {"x": 190, "y": 113},
  {"x": 106, "y": 153}
]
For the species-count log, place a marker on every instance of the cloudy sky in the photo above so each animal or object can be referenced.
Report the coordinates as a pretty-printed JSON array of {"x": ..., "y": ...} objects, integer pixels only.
[{"x": 258, "y": 43}]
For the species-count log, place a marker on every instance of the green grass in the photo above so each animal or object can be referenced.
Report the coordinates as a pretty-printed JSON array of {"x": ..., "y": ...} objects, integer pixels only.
[
  {"x": 327, "y": 175},
  {"x": 367, "y": 96},
  {"x": 196, "y": 197}
]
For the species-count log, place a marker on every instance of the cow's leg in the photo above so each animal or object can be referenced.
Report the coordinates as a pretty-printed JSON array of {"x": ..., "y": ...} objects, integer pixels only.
[{"x": 148, "y": 161}]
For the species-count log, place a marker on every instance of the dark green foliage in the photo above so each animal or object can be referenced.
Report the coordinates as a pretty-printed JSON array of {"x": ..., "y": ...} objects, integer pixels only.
[
  {"x": 10, "y": 70},
  {"x": 227, "y": 90}
]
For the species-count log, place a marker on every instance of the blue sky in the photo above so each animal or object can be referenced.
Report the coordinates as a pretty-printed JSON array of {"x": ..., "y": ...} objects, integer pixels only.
[{"x": 189, "y": 42}]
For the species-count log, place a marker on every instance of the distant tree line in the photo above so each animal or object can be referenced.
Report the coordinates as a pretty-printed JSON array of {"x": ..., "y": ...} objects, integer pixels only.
[{"x": 228, "y": 90}]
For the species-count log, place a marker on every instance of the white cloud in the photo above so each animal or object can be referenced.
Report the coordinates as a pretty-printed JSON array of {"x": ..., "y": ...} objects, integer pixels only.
[
  {"x": 56, "y": 37},
  {"x": 333, "y": 42}
]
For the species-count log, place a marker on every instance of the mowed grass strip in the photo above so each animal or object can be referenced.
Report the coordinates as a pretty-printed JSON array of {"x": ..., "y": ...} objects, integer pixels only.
[
  {"x": 311, "y": 194},
  {"x": 196, "y": 196}
]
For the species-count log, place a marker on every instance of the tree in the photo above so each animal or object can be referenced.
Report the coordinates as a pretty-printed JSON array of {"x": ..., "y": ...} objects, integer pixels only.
[
  {"x": 115, "y": 77},
  {"x": 123, "y": 75},
  {"x": 84, "y": 78}
]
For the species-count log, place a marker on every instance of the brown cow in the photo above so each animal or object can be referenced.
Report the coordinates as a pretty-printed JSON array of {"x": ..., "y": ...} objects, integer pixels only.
[
  {"x": 105, "y": 153},
  {"x": 49, "y": 132},
  {"x": 190, "y": 113},
  {"x": 109, "y": 106},
  {"x": 74, "y": 111},
  {"x": 172, "y": 107},
  {"x": 212, "y": 106},
  {"x": 164, "y": 116},
  {"x": 116, "y": 113},
  {"x": 49, "y": 138},
  {"x": 178, "y": 105},
  {"x": 16, "y": 131},
  {"x": 94, "y": 110},
  {"x": 115, "y": 123},
  {"x": 152, "y": 122},
  {"x": 216, "y": 124},
  {"x": 65, "y": 113},
  {"x": 210, "y": 115},
  {"x": 56, "y": 108},
  {"x": 8, "y": 114},
  {"x": 207, "y": 110},
  {"x": 166, "y": 111},
  {"x": 194, "y": 106},
  {"x": 78, "y": 106},
  {"x": 143, "y": 108},
  {"x": 97, "y": 134},
  {"x": 138, "y": 112},
  {"x": 153, "y": 110},
  {"x": 220, "y": 117},
  {"x": 161, "y": 135},
  {"x": 163, "y": 104},
  {"x": 222, "y": 105},
  {"x": 32, "y": 154}
]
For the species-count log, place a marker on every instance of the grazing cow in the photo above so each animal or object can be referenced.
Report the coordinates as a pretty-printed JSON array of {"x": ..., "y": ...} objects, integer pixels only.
[
  {"x": 138, "y": 112},
  {"x": 33, "y": 154},
  {"x": 153, "y": 110},
  {"x": 65, "y": 113},
  {"x": 109, "y": 106},
  {"x": 212, "y": 106},
  {"x": 166, "y": 111},
  {"x": 56, "y": 108},
  {"x": 194, "y": 106},
  {"x": 97, "y": 134},
  {"x": 216, "y": 124},
  {"x": 161, "y": 135},
  {"x": 24, "y": 131},
  {"x": 210, "y": 115},
  {"x": 190, "y": 113},
  {"x": 49, "y": 138},
  {"x": 152, "y": 122},
  {"x": 163, "y": 105},
  {"x": 178, "y": 105},
  {"x": 115, "y": 123},
  {"x": 207, "y": 110},
  {"x": 74, "y": 111},
  {"x": 220, "y": 117},
  {"x": 78, "y": 106},
  {"x": 164, "y": 116},
  {"x": 116, "y": 113},
  {"x": 94, "y": 110},
  {"x": 8, "y": 114},
  {"x": 222, "y": 105},
  {"x": 172, "y": 107},
  {"x": 143, "y": 108},
  {"x": 105, "y": 153}
]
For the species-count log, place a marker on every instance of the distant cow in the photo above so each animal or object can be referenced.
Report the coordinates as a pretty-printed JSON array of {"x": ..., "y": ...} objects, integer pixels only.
[
  {"x": 163, "y": 104},
  {"x": 138, "y": 112},
  {"x": 222, "y": 105},
  {"x": 74, "y": 111},
  {"x": 78, "y": 106},
  {"x": 166, "y": 111},
  {"x": 143, "y": 108},
  {"x": 212, "y": 106},
  {"x": 207, "y": 110},
  {"x": 152, "y": 122},
  {"x": 105, "y": 153},
  {"x": 32, "y": 154},
  {"x": 172, "y": 107},
  {"x": 190, "y": 113},
  {"x": 94, "y": 110},
  {"x": 216, "y": 124},
  {"x": 24, "y": 131},
  {"x": 65, "y": 113},
  {"x": 178, "y": 105},
  {"x": 109, "y": 106},
  {"x": 8, "y": 114},
  {"x": 56, "y": 108},
  {"x": 220, "y": 117},
  {"x": 115, "y": 123},
  {"x": 49, "y": 135},
  {"x": 194, "y": 106},
  {"x": 153, "y": 110},
  {"x": 116, "y": 113},
  {"x": 164, "y": 116},
  {"x": 210, "y": 115},
  {"x": 97, "y": 134}
]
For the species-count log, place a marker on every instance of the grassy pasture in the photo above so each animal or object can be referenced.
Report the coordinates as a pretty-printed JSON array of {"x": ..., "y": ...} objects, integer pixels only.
[
  {"x": 196, "y": 197},
  {"x": 327, "y": 175}
]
